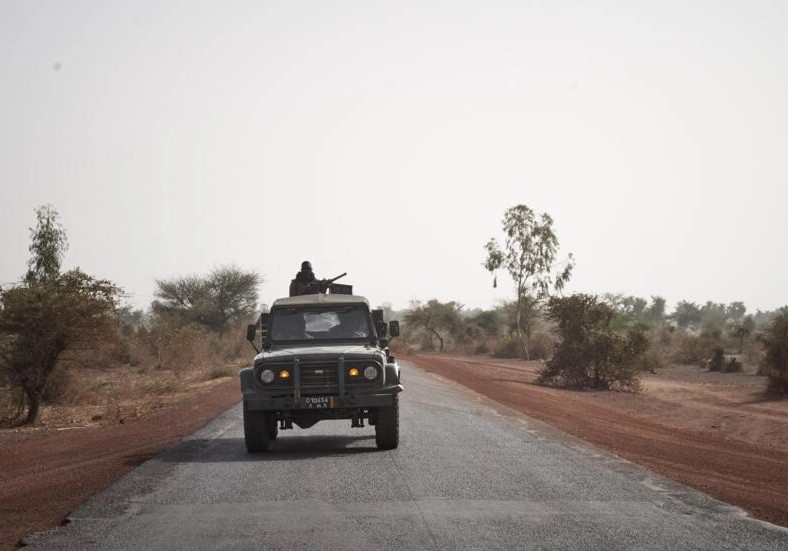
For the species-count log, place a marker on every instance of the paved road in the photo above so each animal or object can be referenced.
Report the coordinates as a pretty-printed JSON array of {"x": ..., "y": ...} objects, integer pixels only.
[{"x": 469, "y": 474}]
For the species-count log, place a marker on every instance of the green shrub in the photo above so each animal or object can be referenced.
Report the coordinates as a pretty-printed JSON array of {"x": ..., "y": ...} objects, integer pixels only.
[
  {"x": 691, "y": 349},
  {"x": 589, "y": 353}
]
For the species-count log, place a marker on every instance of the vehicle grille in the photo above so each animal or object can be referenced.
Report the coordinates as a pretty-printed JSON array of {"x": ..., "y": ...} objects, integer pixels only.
[{"x": 319, "y": 376}]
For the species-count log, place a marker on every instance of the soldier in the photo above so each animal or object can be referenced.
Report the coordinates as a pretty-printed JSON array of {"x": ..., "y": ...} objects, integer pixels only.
[
  {"x": 306, "y": 275},
  {"x": 304, "y": 282}
]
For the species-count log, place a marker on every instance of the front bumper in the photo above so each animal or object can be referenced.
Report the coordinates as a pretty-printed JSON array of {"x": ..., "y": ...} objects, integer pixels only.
[{"x": 351, "y": 401}]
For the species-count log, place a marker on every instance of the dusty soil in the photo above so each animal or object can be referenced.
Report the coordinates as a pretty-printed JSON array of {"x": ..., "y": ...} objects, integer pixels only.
[{"x": 714, "y": 432}]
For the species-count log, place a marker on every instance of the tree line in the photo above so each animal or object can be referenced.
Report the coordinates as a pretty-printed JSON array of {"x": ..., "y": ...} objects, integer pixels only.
[
  {"x": 54, "y": 320},
  {"x": 591, "y": 341}
]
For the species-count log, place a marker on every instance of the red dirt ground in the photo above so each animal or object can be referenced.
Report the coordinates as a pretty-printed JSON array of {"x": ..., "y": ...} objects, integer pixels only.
[{"x": 711, "y": 431}]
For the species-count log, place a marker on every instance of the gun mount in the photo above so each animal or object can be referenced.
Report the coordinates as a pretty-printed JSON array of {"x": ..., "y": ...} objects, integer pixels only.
[{"x": 299, "y": 288}]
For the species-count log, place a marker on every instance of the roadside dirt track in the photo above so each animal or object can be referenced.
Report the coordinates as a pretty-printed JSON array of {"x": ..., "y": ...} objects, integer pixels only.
[
  {"x": 714, "y": 432},
  {"x": 710, "y": 431},
  {"x": 46, "y": 473}
]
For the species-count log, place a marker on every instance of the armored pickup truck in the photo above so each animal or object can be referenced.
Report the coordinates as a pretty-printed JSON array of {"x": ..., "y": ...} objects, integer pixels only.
[{"x": 322, "y": 356}]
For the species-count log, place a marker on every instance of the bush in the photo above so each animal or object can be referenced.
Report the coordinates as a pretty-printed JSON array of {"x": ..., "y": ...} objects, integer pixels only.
[
  {"x": 775, "y": 361},
  {"x": 691, "y": 349},
  {"x": 509, "y": 349},
  {"x": 649, "y": 360},
  {"x": 589, "y": 353},
  {"x": 540, "y": 346},
  {"x": 717, "y": 361},
  {"x": 481, "y": 349}
]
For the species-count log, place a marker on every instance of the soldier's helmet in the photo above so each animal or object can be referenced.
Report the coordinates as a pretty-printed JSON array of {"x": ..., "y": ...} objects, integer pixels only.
[{"x": 306, "y": 266}]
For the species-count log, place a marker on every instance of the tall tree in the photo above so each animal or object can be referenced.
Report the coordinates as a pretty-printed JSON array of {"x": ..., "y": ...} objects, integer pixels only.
[
  {"x": 226, "y": 294},
  {"x": 235, "y": 294},
  {"x": 51, "y": 313},
  {"x": 686, "y": 314},
  {"x": 655, "y": 313},
  {"x": 528, "y": 255},
  {"x": 735, "y": 312},
  {"x": 48, "y": 245}
]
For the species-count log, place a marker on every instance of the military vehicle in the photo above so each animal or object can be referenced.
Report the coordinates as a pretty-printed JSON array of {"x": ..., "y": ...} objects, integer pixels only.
[{"x": 322, "y": 356}]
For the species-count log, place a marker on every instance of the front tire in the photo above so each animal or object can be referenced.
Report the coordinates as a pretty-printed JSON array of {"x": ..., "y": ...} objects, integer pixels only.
[
  {"x": 255, "y": 430},
  {"x": 387, "y": 426}
]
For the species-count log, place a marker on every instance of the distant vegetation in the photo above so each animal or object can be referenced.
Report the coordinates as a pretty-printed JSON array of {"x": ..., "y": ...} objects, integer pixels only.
[
  {"x": 66, "y": 339},
  {"x": 225, "y": 296},
  {"x": 589, "y": 341}
]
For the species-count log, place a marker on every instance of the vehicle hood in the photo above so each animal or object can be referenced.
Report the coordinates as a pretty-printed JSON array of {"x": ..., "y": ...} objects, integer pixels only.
[{"x": 320, "y": 352}]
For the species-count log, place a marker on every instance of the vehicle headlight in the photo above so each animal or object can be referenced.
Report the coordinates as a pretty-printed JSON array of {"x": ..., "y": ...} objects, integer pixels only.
[
  {"x": 353, "y": 372},
  {"x": 370, "y": 372},
  {"x": 267, "y": 376}
]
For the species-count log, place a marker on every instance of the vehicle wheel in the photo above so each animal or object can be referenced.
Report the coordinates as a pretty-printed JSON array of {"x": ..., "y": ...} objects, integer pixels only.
[
  {"x": 255, "y": 430},
  {"x": 387, "y": 426},
  {"x": 273, "y": 428}
]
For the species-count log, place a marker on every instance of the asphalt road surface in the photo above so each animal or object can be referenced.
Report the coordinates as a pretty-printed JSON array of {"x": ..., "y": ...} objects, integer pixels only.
[{"x": 468, "y": 474}]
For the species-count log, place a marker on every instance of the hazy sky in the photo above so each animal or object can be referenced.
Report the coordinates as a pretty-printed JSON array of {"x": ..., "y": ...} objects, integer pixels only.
[{"x": 386, "y": 139}]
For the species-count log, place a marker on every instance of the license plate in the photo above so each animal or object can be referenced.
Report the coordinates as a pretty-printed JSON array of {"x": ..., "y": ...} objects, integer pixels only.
[{"x": 319, "y": 402}]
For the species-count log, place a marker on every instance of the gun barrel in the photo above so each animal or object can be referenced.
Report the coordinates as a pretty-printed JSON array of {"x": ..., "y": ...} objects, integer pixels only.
[{"x": 337, "y": 277}]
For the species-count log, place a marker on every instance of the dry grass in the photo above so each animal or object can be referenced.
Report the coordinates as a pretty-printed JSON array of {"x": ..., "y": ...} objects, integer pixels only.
[
  {"x": 97, "y": 389},
  {"x": 115, "y": 395}
]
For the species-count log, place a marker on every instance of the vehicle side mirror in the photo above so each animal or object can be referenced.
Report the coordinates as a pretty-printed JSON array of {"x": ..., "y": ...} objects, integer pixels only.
[
  {"x": 394, "y": 328},
  {"x": 251, "y": 331}
]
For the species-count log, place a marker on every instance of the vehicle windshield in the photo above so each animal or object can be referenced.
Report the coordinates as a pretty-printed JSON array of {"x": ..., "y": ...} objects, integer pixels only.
[{"x": 348, "y": 322}]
